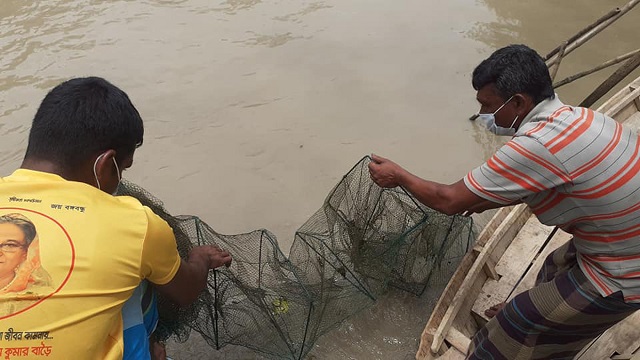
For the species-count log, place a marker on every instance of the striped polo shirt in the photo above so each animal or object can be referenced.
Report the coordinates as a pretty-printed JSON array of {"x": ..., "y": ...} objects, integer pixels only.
[{"x": 579, "y": 170}]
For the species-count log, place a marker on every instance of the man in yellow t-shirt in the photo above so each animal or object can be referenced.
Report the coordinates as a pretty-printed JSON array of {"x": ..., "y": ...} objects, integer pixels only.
[{"x": 71, "y": 253}]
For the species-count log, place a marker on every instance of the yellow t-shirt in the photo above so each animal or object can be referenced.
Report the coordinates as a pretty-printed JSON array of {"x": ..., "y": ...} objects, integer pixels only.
[{"x": 90, "y": 251}]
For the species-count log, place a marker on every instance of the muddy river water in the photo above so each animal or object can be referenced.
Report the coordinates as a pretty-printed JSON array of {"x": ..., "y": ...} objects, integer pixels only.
[{"x": 255, "y": 109}]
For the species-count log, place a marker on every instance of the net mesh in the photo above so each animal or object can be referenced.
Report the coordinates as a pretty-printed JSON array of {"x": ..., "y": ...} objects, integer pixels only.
[{"x": 362, "y": 241}]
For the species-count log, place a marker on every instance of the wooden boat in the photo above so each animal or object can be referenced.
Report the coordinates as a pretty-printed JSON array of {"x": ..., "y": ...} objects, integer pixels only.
[{"x": 505, "y": 261}]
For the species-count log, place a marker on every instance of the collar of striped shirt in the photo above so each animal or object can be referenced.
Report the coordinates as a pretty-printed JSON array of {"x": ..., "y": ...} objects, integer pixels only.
[{"x": 541, "y": 111}]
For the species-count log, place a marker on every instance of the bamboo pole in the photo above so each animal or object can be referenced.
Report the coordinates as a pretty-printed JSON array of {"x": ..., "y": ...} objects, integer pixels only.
[
  {"x": 604, "y": 65},
  {"x": 593, "y": 31},
  {"x": 575, "y": 37},
  {"x": 610, "y": 82},
  {"x": 556, "y": 66}
]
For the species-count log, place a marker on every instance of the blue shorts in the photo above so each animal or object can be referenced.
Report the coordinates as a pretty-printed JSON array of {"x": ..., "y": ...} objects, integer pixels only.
[{"x": 140, "y": 317}]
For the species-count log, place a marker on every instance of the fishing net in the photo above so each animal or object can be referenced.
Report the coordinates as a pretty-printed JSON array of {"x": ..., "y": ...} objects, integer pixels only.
[
  {"x": 174, "y": 320},
  {"x": 430, "y": 256},
  {"x": 361, "y": 242}
]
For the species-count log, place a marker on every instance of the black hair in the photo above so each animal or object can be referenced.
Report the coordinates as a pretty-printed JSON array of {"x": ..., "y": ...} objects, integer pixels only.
[
  {"x": 21, "y": 221},
  {"x": 515, "y": 69},
  {"x": 82, "y": 117}
]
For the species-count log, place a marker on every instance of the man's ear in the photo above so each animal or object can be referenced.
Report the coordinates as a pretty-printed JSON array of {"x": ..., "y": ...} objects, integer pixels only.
[
  {"x": 523, "y": 104},
  {"x": 104, "y": 167}
]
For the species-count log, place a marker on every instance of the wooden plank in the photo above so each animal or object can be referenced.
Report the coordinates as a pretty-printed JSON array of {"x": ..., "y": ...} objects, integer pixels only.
[
  {"x": 504, "y": 232},
  {"x": 464, "y": 321},
  {"x": 452, "y": 354},
  {"x": 622, "y": 357},
  {"x": 623, "y": 71},
  {"x": 439, "y": 311},
  {"x": 625, "y": 114},
  {"x": 426, "y": 339},
  {"x": 493, "y": 225},
  {"x": 529, "y": 280},
  {"x": 490, "y": 269},
  {"x": 626, "y": 101},
  {"x": 627, "y": 356},
  {"x": 633, "y": 122},
  {"x": 458, "y": 340},
  {"x": 512, "y": 265},
  {"x": 622, "y": 338},
  {"x": 615, "y": 99},
  {"x": 633, "y": 87}
]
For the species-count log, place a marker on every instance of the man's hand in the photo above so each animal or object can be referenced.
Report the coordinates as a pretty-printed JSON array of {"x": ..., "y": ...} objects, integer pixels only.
[
  {"x": 216, "y": 256},
  {"x": 191, "y": 277},
  {"x": 384, "y": 172},
  {"x": 211, "y": 255}
]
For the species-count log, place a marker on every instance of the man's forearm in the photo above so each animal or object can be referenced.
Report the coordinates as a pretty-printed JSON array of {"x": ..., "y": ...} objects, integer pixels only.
[
  {"x": 199, "y": 267},
  {"x": 191, "y": 277},
  {"x": 430, "y": 193},
  {"x": 488, "y": 205}
]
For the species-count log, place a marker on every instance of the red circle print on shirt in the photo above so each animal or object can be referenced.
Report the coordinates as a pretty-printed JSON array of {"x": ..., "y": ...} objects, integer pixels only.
[{"x": 31, "y": 242}]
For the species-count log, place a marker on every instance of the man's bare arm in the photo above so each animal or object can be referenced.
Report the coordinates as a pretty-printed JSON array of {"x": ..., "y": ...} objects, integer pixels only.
[
  {"x": 192, "y": 275},
  {"x": 487, "y": 205},
  {"x": 449, "y": 199}
]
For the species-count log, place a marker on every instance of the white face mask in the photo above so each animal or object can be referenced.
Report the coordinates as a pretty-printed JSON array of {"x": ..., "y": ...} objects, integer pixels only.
[
  {"x": 489, "y": 121},
  {"x": 95, "y": 174}
]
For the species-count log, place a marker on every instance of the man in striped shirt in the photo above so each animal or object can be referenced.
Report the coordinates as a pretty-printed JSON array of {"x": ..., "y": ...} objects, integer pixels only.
[{"x": 576, "y": 169}]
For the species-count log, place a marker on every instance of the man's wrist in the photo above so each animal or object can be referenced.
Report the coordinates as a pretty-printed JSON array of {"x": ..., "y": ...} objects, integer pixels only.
[
  {"x": 199, "y": 257},
  {"x": 403, "y": 177}
]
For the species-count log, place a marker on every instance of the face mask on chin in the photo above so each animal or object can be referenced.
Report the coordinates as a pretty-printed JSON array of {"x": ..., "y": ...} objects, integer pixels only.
[{"x": 489, "y": 122}]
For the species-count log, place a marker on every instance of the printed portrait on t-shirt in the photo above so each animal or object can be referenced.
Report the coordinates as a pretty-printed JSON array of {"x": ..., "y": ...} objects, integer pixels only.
[{"x": 24, "y": 280}]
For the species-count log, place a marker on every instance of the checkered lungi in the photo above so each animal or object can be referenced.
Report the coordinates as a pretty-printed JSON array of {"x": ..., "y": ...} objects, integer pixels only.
[{"x": 553, "y": 320}]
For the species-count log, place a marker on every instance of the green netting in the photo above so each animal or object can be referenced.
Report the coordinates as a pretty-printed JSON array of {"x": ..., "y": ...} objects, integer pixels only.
[
  {"x": 430, "y": 256},
  {"x": 359, "y": 232},
  {"x": 362, "y": 241}
]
